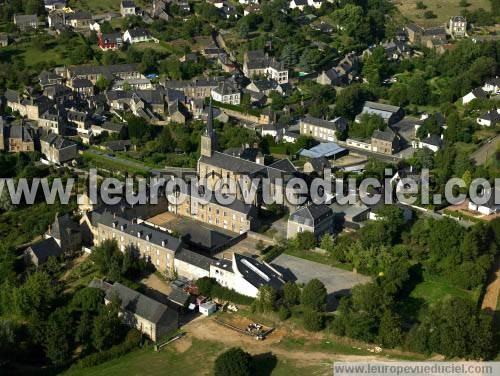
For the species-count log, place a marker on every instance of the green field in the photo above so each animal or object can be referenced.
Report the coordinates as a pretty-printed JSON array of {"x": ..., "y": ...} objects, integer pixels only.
[
  {"x": 443, "y": 9},
  {"x": 432, "y": 291},
  {"x": 101, "y": 5},
  {"x": 196, "y": 360}
]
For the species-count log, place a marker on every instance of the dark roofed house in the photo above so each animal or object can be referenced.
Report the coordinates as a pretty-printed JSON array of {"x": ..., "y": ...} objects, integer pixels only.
[
  {"x": 150, "y": 317},
  {"x": 4, "y": 40},
  {"x": 118, "y": 145},
  {"x": 136, "y": 35},
  {"x": 432, "y": 142},
  {"x": 26, "y": 21},
  {"x": 58, "y": 149},
  {"x": 317, "y": 219},
  {"x": 66, "y": 232},
  {"x": 489, "y": 118},
  {"x": 127, "y": 8},
  {"x": 38, "y": 253},
  {"x": 322, "y": 130},
  {"x": 390, "y": 114},
  {"x": 385, "y": 141}
]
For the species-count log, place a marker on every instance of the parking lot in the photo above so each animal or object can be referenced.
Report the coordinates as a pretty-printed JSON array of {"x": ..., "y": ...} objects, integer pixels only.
[{"x": 337, "y": 281}]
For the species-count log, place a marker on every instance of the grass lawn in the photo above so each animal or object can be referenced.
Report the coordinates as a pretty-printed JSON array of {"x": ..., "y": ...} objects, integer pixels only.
[
  {"x": 432, "y": 291},
  {"x": 429, "y": 292},
  {"x": 111, "y": 165},
  {"x": 443, "y": 9},
  {"x": 101, "y": 5},
  {"x": 197, "y": 360},
  {"x": 32, "y": 55},
  {"x": 319, "y": 258}
]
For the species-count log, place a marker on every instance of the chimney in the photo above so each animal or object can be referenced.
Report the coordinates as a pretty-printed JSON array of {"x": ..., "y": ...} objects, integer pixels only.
[
  {"x": 164, "y": 243},
  {"x": 442, "y": 136},
  {"x": 139, "y": 234}
]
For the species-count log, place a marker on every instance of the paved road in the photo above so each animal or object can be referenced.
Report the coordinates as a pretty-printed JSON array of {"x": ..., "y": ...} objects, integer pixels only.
[
  {"x": 336, "y": 281},
  {"x": 481, "y": 155},
  {"x": 139, "y": 165}
]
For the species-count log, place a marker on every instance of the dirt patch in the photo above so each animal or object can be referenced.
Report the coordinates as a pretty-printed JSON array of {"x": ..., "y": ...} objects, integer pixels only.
[
  {"x": 156, "y": 283},
  {"x": 183, "y": 344},
  {"x": 490, "y": 300},
  {"x": 73, "y": 264}
]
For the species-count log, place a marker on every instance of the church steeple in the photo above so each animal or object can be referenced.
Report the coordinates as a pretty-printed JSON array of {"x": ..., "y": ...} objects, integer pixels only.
[{"x": 208, "y": 138}]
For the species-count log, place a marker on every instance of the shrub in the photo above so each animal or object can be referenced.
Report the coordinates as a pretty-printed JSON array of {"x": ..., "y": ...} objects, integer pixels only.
[
  {"x": 210, "y": 288},
  {"x": 420, "y": 5},
  {"x": 313, "y": 321},
  {"x": 284, "y": 313},
  {"x": 314, "y": 295},
  {"x": 234, "y": 362},
  {"x": 132, "y": 340},
  {"x": 429, "y": 14}
]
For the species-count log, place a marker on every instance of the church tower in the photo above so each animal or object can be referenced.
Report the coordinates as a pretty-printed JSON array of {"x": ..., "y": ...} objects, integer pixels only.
[{"x": 208, "y": 138}]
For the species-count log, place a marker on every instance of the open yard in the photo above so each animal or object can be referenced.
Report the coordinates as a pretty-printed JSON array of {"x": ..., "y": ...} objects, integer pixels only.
[
  {"x": 96, "y": 6},
  {"x": 443, "y": 9},
  {"x": 287, "y": 351}
]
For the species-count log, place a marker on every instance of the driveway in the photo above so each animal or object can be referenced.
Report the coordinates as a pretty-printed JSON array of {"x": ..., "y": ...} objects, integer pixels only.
[{"x": 336, "y": 281}]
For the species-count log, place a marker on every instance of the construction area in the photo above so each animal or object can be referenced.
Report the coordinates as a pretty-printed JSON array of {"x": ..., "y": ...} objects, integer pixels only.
[{"x": 246, "y": 327}]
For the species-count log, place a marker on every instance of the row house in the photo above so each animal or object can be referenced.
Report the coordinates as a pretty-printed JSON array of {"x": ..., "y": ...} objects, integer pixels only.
[
  {"x": 156, "y": 246},
  {"x": 322, "y": 130}
]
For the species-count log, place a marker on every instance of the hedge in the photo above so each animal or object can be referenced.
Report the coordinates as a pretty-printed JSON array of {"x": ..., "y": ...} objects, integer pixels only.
[{"x": 132, "y": 341}]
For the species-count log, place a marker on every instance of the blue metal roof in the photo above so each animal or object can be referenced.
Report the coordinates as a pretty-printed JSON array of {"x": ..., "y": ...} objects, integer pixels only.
[{"x": 326, "y": 149}]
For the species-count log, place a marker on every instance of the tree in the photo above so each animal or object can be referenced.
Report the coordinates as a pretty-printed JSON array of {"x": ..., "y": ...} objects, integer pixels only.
[
  {"x": 291, "y": 293},
  {"x": 87, "y": 299},
  {"x": 389, "y": 332},
  {"x": 205, "y": 285},
  {"x": 107, "y": 324},
  {"x": 314, "y": 295},
  {"x": 350, "y": 101},
  {"x": 234, "y": 362},
  {"x": 58, "y": 336},
  {"x": 305, "y": 240},
  {"x": 36, "y": 297},
  {"x": 102, "y": 83},
  {"x": 313, "y": 321},
  {"x": 266, "y": 298}
]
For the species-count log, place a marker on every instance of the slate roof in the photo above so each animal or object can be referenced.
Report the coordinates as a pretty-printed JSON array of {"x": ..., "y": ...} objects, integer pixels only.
[
  {"x": 385, "y": 135},
  {"x": 492, "y": 116},
  {"x": 56, "y": 141},
  {"x": 311, "y": 214},
  {"x": 46, "y": 248},
  {"x": 112, "y": 127},
  {"x": 139, "y": 33},
  {"x": 284, "y": 165},
  {"x": 127, "y": 4},
  {"x": 193, "y": 258},
  {"x": 79, "y": 83},
  {"x": 155, "y": 236},
  {"x": 62, "y": 225},
  {"x": 493, "y": 81},
  {"x": 179, "y": 297},
  {"x": 334, "y": 124},
  {"x": 141, "y": 305},
  {"x": 106, "y": 70},
  {"x": 434, "y": 140},
  {"x": 25, "y": 19},
  {"x": 257, "y": 273},
  {"x": 20, "y": 132}
]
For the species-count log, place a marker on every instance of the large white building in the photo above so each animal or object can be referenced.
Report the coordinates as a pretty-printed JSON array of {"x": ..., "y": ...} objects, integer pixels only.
[{"x": 245, "y": 275}]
